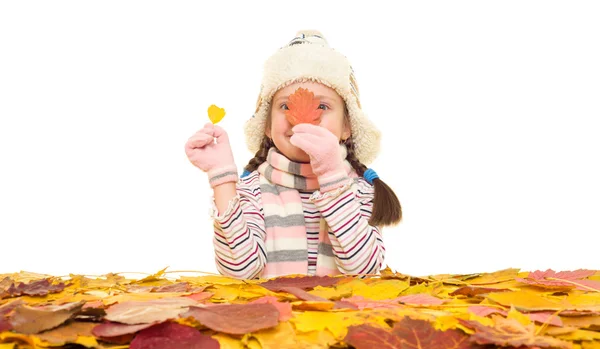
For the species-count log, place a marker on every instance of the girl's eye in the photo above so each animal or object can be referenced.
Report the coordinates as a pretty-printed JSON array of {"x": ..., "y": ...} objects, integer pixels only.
[
  {"x": 284, "y": 107},
  {"x": 323, "y": 105}
]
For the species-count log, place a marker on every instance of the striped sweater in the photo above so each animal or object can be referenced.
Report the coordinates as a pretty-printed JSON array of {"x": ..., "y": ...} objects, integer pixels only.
[{"x": 239, "y": 232}]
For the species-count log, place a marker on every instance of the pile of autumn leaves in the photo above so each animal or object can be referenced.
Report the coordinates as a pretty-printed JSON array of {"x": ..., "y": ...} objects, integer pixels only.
[{"x": 507, "y": 308}]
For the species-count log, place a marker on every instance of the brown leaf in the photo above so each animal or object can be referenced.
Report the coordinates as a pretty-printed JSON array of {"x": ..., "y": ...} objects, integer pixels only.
[
  {"x": 303, "y": 107},
  {"x": 420, "y": 334},
  {"x": 510, "y": 332},
  {"x": 67, "y": 333},
  {"x": 387, "y": 273},
  {"x": 285, "y": 309},
  {"x": 34, "y": 288},
  {"x": 303, "y": 295},
  {"x": 169, "y": 335},
  {"x": 178, "y": 287},
  {"x": 235, "y": 318},
  {"x": 562, "y": 280},
  {"x": 472, "y": 291},
  {"x": 369, "y": 337},
  {"x": 30, "y": 320},
  {"x": 302, "y": 282},
  {"x": 115, "y": 329},
  {"x": 144, "y": 312}
]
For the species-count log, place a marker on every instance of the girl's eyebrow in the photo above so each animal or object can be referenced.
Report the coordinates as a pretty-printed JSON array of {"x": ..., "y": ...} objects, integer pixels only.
[
  {"x": 317, "y": 96},
  {"x": 324, "y": 97}
]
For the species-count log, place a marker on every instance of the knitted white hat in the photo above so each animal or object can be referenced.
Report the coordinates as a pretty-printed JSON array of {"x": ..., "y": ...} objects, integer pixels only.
[{"x": 308, "y": 57}]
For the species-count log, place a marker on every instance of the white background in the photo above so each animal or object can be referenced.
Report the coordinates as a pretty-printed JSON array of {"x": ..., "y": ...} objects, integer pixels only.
[{"x": 489, "y": 115}]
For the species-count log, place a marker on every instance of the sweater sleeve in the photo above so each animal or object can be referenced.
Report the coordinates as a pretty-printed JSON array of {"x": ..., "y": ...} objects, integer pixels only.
[
  {"x": 357, "y": 246},
  {"x": 239, "y": 232}
]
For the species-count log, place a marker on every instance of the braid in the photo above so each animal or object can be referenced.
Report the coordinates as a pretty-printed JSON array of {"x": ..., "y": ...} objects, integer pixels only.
[
  {"x": 260, "y": 156},
  {"x": 352, "y": 159},
  {"x": 386, "y": 207}
]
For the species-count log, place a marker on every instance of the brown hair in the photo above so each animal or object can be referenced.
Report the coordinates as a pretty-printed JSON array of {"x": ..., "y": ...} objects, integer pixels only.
[{"x": 386, "y": 206}]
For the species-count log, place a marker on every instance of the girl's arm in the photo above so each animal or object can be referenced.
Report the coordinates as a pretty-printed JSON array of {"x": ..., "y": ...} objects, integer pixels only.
[
  {"x": 357, "y": 246},
  {"x": 239, "y": 228}
]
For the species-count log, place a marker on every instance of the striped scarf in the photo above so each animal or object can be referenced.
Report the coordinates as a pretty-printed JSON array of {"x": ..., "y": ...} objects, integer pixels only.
[{"x": 286, "y": 243}]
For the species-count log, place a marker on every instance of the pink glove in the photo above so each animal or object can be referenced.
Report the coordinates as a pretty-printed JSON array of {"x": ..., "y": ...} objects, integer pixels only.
[
  {"x": 216, "y": 159},
  {"x": 323, "y": 148}
]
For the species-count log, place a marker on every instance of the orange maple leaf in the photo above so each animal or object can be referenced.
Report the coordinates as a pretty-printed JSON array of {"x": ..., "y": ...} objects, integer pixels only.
[{"x": 303, "y": 107}]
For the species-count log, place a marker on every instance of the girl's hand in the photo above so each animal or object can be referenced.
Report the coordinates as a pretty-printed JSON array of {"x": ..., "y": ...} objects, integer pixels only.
[
  {"x": 322, "y": 146},
  {"x": 214, "y": 158}
]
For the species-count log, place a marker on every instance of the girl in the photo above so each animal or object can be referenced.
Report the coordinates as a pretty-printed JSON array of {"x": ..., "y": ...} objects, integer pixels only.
[{"x": 306, "y": 203}]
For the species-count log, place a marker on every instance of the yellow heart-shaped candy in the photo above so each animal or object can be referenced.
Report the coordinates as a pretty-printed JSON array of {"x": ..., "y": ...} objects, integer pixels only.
[{"x": 215, "y": 114}]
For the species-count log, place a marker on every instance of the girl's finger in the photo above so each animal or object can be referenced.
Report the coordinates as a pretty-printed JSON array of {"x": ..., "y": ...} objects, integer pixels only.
[
  {"x": 307, "y": 142},
  {"x": 200, "y": 140},
  {"x": 309, "y": 128}
]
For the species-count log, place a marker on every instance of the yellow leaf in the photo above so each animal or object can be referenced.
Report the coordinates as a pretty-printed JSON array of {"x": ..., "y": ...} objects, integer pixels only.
[
  {"x": 212, "y": 280},
  {"x": 315, "y": 339},
  {"x": 330, "y": 293},
  {"x": 313, "y": 305},
  {"x": 7, "y": 345},
  {"x": 588, "y": 301},
  {"x": 495, "y": 277},
  {"x": 4, "y": 336},
  {"x": 379, "y": 290},
  {"x": 520, "y": 317},
  {"x": 420, "y": 288},
  {"x": 215, "y": 114},
  {"x": 146, "y": 296},
  {"x": 228, "y": 342},
  {"x": 581, "y": 321},
  {"x": 445, "y": 322},
  {"x": 581, "y": 335},
  {"x": 282, "y": 336},
  {"x": 252, "y": 343},
  {"x": 590, "y": 345},
  {"x": 338, "y": 322},
  {"x": 527, "y": 300},
  {"x": 153, "y": 278}
]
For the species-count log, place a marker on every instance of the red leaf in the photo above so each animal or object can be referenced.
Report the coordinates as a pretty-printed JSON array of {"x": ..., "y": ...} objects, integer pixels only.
[
  {"x": 236, "y": 318},
  {"x": 369, "y": 337},
  {"x": 34, "y": 288},
  {"x": 345, "y": 305},
  {"x": 285, "y": 309},
  {"x": 302, "y": 282},
  {"x": 472, "y": 291},
  {"x": 546, "y": 317},
  {"x": 561, "y": 280},
  {"x": 303, "y": 107},
  {"x": 170, "y": 335},
  {"x": 421, "y": 299},
  {"x": 420, "y": 334},
  {"x": 363, "y": 303},
  {"x": 482, "y": 310},
  {"x": 5, "y": 309},
  {"x": 200, "y": 296}
]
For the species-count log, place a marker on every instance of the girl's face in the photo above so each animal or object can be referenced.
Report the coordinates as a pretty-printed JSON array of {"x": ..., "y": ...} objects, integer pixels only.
[{"x": 332, "y": 118}]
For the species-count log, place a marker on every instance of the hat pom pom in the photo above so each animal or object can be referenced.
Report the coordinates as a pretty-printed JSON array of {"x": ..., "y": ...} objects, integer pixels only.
[{"x": 310, "y": 32}]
